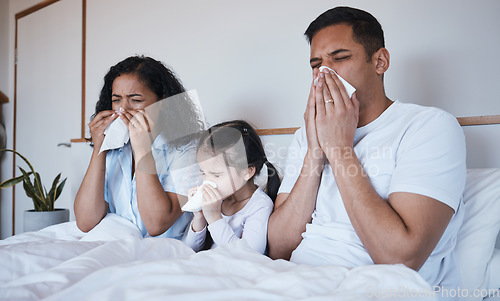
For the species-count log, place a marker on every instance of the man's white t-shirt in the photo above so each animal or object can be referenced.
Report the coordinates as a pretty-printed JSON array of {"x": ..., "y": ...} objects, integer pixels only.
[{"x": 408, "y": 148}]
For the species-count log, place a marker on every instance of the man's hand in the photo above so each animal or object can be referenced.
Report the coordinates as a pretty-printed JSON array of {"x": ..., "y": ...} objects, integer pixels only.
[
  {"x": 314, "y": 151},
  {"x": 337, "y": 115}
]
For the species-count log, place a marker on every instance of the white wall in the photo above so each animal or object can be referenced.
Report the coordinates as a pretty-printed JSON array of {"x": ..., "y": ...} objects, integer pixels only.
[{"x": 249, "y": 59}]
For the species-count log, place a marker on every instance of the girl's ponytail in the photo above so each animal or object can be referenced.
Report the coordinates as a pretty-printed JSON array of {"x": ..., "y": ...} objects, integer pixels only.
[{"x": 273, "y": 181}]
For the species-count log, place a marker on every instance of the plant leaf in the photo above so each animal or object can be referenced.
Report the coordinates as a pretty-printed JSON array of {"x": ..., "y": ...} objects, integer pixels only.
[
  {"x": 60, "y": 188},
  {"x": 11, "y": 182},
  {"x": 26, "y": 174},
  {"x": 51, "y": 196},
  {"x": 29, "y": 189},
  {"x": 47, "y": 200},
  {"x": 31, "y": 192},
  {"x": 22, "y": 157},
  {"x": 38, "y": 194},
  {"x": 16, "y": 180},
  {"x": 40, "y": 188}
]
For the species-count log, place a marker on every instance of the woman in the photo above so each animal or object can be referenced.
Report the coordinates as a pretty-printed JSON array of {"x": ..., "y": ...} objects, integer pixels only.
[{"x": 115, "y": 182}]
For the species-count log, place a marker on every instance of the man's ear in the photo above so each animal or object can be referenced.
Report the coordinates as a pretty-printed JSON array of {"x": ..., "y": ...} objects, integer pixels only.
[
  {"x": 249, "y": 173},
  {"x": 381, "y": 59}
]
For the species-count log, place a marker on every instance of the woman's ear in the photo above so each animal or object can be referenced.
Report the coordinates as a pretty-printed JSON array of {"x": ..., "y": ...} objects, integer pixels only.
[
  {"x": 249, "y": 173},
  {"x": 381, "y": 59}
]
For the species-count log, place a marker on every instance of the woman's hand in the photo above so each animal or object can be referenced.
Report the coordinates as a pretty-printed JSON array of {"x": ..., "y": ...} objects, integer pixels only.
[
  {"x": 98, "y": 125},
  {"x": 139, "y": 125},
  {"x": 211, "y": 204}
]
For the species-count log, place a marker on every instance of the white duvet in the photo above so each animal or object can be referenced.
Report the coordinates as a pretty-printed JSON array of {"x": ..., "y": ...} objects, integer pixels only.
[{"x": 114, "y": 262}]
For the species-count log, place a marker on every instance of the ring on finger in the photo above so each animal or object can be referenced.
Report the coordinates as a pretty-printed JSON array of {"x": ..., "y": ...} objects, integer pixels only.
[{"x": 329, "y": 101}]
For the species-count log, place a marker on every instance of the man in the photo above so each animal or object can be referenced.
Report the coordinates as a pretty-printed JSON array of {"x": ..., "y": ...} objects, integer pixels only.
[{"x": 368, "y": 180}]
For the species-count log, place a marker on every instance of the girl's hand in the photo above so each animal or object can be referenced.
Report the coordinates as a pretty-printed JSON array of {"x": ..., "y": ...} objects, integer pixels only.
[
  {"x": 211, "y": 205},
  {"x": 98, "y": 125},
  {"x": 199, "y": 222},
  {"x": 139, "y": 126}
]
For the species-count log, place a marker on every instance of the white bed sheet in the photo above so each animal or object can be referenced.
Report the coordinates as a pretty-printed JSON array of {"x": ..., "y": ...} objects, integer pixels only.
[{"x": 112, "y": 262}]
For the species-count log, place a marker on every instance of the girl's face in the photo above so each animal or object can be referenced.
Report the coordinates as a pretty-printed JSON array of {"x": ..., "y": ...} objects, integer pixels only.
[
  {"x": 228, "y": 178},
  {"x": 129, "y": 93}
]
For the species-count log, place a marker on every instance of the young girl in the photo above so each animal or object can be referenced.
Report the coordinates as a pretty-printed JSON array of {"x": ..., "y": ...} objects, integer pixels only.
[{"x": 230, "y": 154}]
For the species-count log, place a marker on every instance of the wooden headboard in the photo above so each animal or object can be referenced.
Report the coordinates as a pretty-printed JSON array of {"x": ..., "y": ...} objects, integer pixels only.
[{"x": 464, "y": 121}]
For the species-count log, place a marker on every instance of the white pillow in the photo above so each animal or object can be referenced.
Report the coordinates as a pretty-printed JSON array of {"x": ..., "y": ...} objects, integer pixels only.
[{"x": 477, "y": 236}]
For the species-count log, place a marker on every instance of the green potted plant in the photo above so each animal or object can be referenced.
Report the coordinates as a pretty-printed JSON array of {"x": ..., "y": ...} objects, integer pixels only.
[{"x": 44, "y": 213}]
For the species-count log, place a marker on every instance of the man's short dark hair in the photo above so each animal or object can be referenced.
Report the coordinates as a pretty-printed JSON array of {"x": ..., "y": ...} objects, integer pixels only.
[{"x": 366, "y": 29}]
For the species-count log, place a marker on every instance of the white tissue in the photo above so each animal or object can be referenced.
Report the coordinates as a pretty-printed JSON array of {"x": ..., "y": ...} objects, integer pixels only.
[
  {"x": 194, "y": 203},
  {"x": 116, "y": 135},
  {"x": 348, "y": 87}
]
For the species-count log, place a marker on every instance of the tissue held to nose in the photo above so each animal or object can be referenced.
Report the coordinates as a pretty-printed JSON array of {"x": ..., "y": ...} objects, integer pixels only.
[
  {"x": 194, "y": 204},
  {"x": 348, "y": 87},
  {"x": 116, "y": 135}
]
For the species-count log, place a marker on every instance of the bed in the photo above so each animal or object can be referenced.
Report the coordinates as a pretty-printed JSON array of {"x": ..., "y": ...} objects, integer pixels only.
[{"x": 114, "y": 262}]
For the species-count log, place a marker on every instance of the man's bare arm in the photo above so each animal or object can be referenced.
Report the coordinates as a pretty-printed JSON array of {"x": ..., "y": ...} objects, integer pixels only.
[
  {"x": 405, "y": 229},
  {"x": 293, "y": 211}
]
